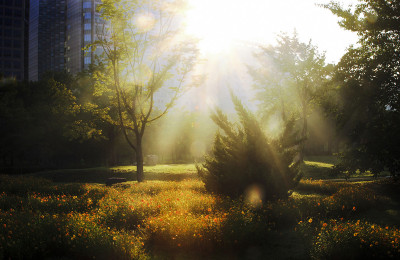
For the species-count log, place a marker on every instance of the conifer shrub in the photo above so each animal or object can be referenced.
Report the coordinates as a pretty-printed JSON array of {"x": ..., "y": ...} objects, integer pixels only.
[{"x": 243, "y": 157}]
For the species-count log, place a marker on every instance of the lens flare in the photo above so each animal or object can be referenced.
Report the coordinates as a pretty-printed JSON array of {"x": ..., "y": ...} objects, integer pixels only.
[
  {"x": 254, "y": 196},
  {"x": 145, "y": 22}
]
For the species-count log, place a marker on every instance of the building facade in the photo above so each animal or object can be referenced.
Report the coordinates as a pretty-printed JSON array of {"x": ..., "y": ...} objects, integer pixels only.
[
  {"x": 47, "y": 22},
  {"x": 14, "y": 16},
  {"x": 59, "y": 30},
  {"x": 82, "y": 21}
]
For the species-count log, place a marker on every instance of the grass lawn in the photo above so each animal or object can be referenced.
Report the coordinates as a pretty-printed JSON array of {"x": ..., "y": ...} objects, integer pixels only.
[{"x": 71, "y": 214}]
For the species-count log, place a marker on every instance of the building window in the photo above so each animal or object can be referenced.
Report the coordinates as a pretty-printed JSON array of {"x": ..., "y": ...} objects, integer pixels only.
[
  {"x": 87, "y": 5},
  {"x": 8, "y": 32},
  {"x": 17, "y": 54},
  {"x": 17, "y": 33},
  {"x": 17, "y": 65},
  {"x": 17, "y": 22},
  {"x": 7, "y": 53},
  {"x": 8, "y": 22},
  {"x": 7, "y": 64},
  {"x": 88, "y": 26},
  {"x": 88, "y": 60},
  {"x": 17, "y": 13},
  {"x": 7, "y": 43},
  {"x": 17, "y": 44},
  {"x": 87, "y": 38},
  {"x": 8, "y": 12},
  {"x": 88, "y": 15}
]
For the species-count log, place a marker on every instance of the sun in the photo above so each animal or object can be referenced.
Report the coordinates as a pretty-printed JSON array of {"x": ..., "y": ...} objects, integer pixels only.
[{"x": 221, "y": 24}]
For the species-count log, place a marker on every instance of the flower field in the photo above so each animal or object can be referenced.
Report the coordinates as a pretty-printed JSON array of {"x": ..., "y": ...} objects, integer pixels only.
[{"x": 174, "y": 217}]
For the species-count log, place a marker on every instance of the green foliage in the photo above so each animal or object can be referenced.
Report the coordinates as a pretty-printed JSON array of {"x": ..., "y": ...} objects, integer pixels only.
[
  {"x": 49, "y": 123},
  {"x": 355, "y": 240},
  {"x": 41, "y": 220},
  {"x": 290, "y": 80},
  {"x": 368, "y": 97},
  {"x": 245, "y": 157}
]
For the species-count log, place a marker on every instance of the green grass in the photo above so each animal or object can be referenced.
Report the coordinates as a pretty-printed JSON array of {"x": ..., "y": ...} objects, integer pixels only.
[
  {"x": 329, "y": 159},
  {"x": 173, "y": 172},
  {"x": 171, "y": 216}
]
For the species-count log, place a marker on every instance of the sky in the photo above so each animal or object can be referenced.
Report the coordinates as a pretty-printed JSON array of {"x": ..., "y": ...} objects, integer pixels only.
[{"x": 230, "y": 30}]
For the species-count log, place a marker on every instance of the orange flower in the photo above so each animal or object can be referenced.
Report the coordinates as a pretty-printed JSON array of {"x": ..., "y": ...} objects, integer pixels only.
[
  {"x": 354, "y": 208},
  {"x": 310, "y": 220},
  {"x": 324, "y": 225}
]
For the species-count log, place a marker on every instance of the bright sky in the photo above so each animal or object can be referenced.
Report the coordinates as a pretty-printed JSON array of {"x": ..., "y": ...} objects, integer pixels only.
[
  {"x": 222, "y": 22},
  {"x": 230, "y": 29}
]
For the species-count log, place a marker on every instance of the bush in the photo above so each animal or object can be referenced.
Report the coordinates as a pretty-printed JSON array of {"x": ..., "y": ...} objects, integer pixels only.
[
  {"x": 244, "y": 157},
  {"x": 355, "y": 240}
]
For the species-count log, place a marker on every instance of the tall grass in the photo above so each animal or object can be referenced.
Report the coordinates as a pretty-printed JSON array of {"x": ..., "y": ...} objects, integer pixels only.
[{"x": 169, "y": 217}]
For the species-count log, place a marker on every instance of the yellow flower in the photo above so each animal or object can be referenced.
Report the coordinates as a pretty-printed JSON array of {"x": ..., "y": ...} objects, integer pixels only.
[{"x": 310, "y": 220}]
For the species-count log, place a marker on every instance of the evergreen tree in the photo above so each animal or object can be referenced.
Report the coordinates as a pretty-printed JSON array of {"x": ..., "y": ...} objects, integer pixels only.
[{"x": 244, "y": 157}]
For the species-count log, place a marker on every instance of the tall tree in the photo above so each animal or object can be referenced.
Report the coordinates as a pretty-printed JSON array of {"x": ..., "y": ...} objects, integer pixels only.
[
  {"x": 147, "y": 62},
  {"x": 368, "y": 77},
  {"x": 289, "y": 79}
]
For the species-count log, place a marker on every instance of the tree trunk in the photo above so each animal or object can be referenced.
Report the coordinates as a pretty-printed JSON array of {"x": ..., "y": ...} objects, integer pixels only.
[
  {"x": 139, "y": 160},
  {"x": 112, "y": 153},
  {"x": 304, "y": 133}
]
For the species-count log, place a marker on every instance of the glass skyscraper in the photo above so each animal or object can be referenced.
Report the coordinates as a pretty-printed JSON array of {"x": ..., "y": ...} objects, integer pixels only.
[
  {"x": 82, "y": 21},
  {"x": 59, "y": 29},
  {"x": 14, "y": 38},
  {"x": 47, "y": 24}
]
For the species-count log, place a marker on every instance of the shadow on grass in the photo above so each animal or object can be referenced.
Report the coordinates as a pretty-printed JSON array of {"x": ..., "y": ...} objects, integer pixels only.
[
  {"x": 91, "y": 175},
  {"x": 101, "y": 174},
  {"x": 160, "y": 176}
]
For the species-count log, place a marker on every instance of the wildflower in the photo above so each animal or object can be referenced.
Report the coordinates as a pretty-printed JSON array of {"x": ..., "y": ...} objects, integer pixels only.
[
  {"x": 354, "y": 208},
  {"x": 355, "y": 234},
  {"x": 310, "y": 220},
  {"x": 324, "y": 225}
]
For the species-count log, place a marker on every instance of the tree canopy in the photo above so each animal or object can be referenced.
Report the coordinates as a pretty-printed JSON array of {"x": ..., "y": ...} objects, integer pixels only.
[
  {"x": 290, "y": 78},
  {"x": 146, "y": 62},
  {"x": 368, "y": 80}
]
